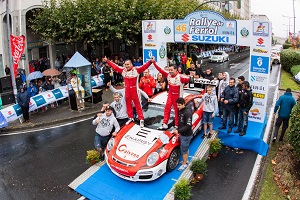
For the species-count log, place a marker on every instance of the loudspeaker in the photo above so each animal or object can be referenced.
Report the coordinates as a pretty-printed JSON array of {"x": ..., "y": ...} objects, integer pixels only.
[
  {"x": 97, "y": 95},
  {"x": 18, "y": 82},
  {"x": 8, "y": 98},
  {"x": 6, "y": 85}
]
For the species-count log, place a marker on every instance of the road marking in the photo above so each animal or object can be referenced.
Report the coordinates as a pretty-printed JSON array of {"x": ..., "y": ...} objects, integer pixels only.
[
  {"x": 234, "y": 65},
  {"x": 42, "y": 129},
  {"x": 244, "y": 72},
  {"x": 81, "y": 198}
]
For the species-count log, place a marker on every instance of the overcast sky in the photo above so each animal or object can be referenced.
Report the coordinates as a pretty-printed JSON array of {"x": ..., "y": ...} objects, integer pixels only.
[{"x": 274, "y": 9}]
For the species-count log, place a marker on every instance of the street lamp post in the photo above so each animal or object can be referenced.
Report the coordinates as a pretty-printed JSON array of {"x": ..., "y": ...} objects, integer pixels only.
[
  {"x": 289, "y": 21},
  {"x": 213, "y": 2},
  {"x": 287, "y": 30}
]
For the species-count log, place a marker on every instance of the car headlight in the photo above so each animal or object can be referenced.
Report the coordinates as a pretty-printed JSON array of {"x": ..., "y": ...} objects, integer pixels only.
[
  {"x": 110, "y": 144},
  {"x": 152, "y": 158}
]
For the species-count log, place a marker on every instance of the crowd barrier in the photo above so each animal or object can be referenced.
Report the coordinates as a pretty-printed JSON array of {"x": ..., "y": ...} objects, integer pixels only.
[{"x": 14, "y": 112}]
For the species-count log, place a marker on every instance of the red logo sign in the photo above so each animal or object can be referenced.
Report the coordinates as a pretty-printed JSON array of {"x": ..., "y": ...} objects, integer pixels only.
[
  {"x": 49, "y": 95},
  {"x": 149, "y": 37},
  {"x": 9, "y": 112},
  {"x": 260, "y": 41},
  {"x": 17, "y": 44},
  {"x": 185, "y": 37}
]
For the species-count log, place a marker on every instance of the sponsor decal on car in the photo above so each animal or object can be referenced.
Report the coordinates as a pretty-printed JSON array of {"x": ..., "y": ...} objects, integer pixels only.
[{"x": 126, "y": 152}]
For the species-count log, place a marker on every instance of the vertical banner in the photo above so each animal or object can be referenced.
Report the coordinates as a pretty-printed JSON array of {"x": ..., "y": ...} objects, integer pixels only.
[
  {"x": 260, "y": 52},
  {"x": 17, "y": 44}
]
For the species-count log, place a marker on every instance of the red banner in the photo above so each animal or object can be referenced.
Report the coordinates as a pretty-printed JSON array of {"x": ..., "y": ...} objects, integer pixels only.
[{"x": 17, "y": 44}]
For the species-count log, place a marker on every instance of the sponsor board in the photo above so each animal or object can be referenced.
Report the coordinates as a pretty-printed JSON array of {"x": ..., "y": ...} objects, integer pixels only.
[
  {"x": 149, "y": 27},
  {"x": 260, "y": 78},
  {"x": 204, "y": 26},
  {"x": 258, "y": 95},
  {"x": 148, "y": 53},
  {"x": 259, "y": 64},
  {"x": 261, "y": 28}
]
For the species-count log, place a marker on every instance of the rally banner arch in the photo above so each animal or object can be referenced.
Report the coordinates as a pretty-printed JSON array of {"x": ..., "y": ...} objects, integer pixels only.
[{"x": 209, "y": 27}]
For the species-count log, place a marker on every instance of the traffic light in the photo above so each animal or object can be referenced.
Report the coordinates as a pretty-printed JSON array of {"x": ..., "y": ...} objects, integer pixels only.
[{"x": 239, "y": 4}]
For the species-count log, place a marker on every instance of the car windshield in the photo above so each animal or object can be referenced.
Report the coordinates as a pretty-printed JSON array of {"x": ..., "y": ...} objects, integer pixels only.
[
  {"x": 154, "y": 115},
  {"x": 218, "y": 53}
]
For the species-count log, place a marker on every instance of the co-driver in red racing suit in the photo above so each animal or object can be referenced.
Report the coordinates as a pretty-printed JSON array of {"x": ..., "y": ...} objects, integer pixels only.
[
  {"x": 175, "y": 83},
  {"x": 131, "y": 75}
]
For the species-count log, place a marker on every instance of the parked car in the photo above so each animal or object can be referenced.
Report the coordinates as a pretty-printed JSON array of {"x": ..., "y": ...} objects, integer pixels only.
[
  {"x": 275, "y": 57},
  {"x": 219, "y": 56},
  {"x": 145, "y": 154}
]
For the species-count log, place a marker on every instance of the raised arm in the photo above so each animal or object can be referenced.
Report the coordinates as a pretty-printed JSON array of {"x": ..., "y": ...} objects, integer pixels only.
[
  {"x": 162, "y": 71},
  {"x": 115, "y": 67},
  {"x": 184, "y": 79}
]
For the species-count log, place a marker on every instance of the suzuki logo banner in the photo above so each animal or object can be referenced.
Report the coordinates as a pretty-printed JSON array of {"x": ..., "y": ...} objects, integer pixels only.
[
  {"x": 205, "y": 27},
  {"x": 259, "y": 68}
]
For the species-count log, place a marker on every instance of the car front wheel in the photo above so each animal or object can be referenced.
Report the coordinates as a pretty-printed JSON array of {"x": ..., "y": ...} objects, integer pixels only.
[{"x": 173, "y": 160}]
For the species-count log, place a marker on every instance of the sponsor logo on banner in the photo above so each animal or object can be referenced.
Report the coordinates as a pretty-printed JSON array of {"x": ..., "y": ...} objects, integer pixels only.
[
  {"x": 148, "y": 53},
  {"x": 259, "y": 50},
  {"x": 162, "y": 52},
  {"x": 260, "y": 42},
  {"x": 204, "y": 26},
  {"x": 257, "y": 87},
  {"x": 259, "y": 64},
  {"x": 149, "y": 27},
  {"x": 57, "y": 93},
  {"x": 244, "y": 32},
  {"x": 150, "y": 38},
  {"x": 258, "y": 103},
  {"x": 167, "y": 30},
  {"x": 255, "y": 114},
  {"x": 258, "y": 95},
  {"x": 261, "y": 29},
  {"x": 10, "y": 114},
  {"x": 18, "y": 109},
  {"x": 150, "y": 45},
  {"x": 261, "y": 79},
  {"x": 39, "y": 100}
]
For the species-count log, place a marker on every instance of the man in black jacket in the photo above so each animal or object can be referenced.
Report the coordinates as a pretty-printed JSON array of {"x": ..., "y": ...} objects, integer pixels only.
[
  {"x": 244, "y": 104},
  {"x": 184, "y": 130},
  {"x": 230, "y": 98}
]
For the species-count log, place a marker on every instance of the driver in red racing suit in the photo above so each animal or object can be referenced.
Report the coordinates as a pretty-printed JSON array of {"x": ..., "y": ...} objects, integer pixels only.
[
  {"x": 175, "y": 83},
  {"x": 131, "y": 75}
]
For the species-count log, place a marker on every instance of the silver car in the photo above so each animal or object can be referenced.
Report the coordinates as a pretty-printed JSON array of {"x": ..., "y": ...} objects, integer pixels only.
[{"x": 219, "y": 56}]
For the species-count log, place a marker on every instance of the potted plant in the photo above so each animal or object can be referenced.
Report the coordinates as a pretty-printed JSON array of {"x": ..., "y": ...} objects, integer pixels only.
[
  {"x": 182, "y": 189},
  {"x": 92, "y": 157},
  {"x": 215, "y": 146},
  {"x": 198, "y": 167}
]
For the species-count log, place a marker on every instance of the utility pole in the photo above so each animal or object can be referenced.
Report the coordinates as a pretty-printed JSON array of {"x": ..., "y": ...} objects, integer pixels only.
[
  {"x": 12, "y": 73},
  {"x": 294, "y": 35}
]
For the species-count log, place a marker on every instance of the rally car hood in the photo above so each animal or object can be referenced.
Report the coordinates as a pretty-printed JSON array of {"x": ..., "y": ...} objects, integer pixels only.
[{"x": 137, "y": 142}]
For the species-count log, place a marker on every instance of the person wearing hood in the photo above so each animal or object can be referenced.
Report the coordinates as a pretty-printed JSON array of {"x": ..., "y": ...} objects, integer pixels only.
[
  {"x": 285, "y": 104},
  {"x": 31, "y": 90},
  {"x": 229, "y": 98},
  {"x": 209, "y": 110},
  {"x": 244, "y": 105},
  {"x": 23, "y": 100}
]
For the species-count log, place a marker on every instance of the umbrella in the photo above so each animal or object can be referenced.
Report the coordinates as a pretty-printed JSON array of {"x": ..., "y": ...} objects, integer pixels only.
[
  {"x": 35, "y": 75},
  {"x": 194, "y": 46},
  {"x": 51, "y": 72}
]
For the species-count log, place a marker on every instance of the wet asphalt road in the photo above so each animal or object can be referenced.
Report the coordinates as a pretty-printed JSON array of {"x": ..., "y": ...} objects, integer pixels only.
[{"x": 40, "y": 165}]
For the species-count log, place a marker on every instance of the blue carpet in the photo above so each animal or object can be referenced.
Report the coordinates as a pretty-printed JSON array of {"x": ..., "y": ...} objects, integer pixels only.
[
  {"x": 253, "y": 140},
  {"x": 104, "y": 185}
]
